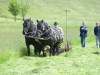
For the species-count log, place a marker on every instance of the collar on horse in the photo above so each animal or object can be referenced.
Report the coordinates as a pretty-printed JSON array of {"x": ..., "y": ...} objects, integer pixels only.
[{"x": 44, "y": 32}]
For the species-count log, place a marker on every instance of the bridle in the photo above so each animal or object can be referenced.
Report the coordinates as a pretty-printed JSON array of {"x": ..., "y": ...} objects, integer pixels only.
[{"x": 42, "y": 31}]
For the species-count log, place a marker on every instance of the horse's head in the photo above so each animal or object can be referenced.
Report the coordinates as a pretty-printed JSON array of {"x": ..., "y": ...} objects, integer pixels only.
[
  {"x": 42, "y": 26},
  {"x": 28, "y": 26}
]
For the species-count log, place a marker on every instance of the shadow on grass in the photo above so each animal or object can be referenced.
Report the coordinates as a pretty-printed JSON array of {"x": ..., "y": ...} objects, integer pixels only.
[
  {"x": 23, "y": 52},
  {"x": 97, "y": 53}
]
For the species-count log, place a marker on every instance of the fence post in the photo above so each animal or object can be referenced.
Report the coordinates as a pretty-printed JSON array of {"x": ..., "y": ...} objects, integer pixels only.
[{"x": 66, "y": 22}]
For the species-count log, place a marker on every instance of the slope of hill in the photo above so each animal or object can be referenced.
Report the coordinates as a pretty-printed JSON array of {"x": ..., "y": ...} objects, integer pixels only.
[{"x": 52, "y": 10}]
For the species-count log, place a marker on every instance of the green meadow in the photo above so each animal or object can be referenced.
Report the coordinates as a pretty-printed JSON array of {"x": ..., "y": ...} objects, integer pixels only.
[{"x": 78, "y": 61}]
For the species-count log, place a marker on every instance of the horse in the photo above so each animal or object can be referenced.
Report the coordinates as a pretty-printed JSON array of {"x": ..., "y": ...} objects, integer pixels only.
[
  {"x": 50, "y": 35},
  {"x": 29, "y": 29}
]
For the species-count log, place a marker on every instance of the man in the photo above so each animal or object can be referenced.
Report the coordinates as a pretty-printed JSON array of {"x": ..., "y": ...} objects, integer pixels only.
[
  {"x": 59, "y": 32},
  {"x": 59, "y": 29},
  {"x": 83, "y": 34},
  {"x": 97, "y": 34}
]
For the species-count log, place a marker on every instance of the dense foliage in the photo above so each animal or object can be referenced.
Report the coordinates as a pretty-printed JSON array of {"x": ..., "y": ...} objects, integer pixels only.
[
  {"x": 24, "y": 9},
  {"x": 14, "y": 8}
]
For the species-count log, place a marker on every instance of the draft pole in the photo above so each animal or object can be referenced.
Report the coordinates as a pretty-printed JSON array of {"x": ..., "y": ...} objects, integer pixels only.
[{"x": 66, "y": 22}]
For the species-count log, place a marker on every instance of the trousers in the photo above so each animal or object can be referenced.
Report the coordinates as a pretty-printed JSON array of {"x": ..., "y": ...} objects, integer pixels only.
[
  {"x": 83, "y": 41},
  {"x": 98, "y": 41}
]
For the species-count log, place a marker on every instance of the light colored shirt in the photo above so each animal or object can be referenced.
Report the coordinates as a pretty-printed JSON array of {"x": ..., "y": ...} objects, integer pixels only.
[{"x": 60, "y": 31}]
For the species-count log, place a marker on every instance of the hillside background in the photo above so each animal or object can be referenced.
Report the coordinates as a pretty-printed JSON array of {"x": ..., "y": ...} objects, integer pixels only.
[{"x": 52, "y": 10}]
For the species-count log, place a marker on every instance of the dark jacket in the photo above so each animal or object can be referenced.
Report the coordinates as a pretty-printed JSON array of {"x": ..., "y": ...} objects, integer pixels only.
[
  {"x": 96, "y": 30},
  {"x": 99, "y": 31},
  {"x": 83, "y": 31}
]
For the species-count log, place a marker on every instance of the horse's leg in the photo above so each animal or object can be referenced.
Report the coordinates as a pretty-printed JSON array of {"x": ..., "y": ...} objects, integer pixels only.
[
  {"x": 57, "y": 49},
  {"x": 39, "y": 49},
  {"x": 27, "y": 40},
  {"x": 54, "y": 50},
  {"x": 28, "y": 50},
  {"x": 50, "y": 51},
  {"x": 35, "y": 50},
  {"x": 44, "y": 53}
]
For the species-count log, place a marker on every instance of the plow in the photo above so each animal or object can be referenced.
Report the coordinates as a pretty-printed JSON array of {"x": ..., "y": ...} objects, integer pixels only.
[{"x": 41, "y": 36}]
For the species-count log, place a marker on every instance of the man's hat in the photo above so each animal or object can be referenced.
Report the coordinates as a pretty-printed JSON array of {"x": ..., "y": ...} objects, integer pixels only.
[{"x": 55, "y": 23}]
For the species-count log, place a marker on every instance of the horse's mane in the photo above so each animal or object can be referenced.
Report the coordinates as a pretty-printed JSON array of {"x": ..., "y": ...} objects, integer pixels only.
[{"x": 47, "y": 25}]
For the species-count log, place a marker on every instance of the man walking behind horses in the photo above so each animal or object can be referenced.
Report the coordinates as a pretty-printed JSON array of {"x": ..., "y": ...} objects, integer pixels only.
[
  {"x": 59, "y": 29},
  {"x": 60, "y": 32}
]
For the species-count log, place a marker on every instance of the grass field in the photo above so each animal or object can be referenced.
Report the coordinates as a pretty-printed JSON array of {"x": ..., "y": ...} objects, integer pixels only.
[{"x": 78, "y": 61}]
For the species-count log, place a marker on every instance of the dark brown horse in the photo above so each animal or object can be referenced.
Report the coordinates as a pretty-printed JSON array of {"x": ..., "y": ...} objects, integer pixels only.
[
  {"x": 29, "y": 29},
  {"x": 51, "y": 36}
]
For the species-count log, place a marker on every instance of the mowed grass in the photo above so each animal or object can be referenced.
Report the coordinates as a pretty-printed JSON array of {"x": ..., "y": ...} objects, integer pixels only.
[{"x": 78, "y": 61}]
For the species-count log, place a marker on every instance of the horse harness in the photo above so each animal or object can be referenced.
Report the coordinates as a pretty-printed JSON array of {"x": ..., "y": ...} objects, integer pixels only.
[{"x": 54, "y": 33}]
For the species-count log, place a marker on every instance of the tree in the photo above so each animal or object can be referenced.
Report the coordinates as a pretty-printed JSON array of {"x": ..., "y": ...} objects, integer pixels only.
[
  {"x": 24, "y": 9},
  {"x": 14, "y": 8}
]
